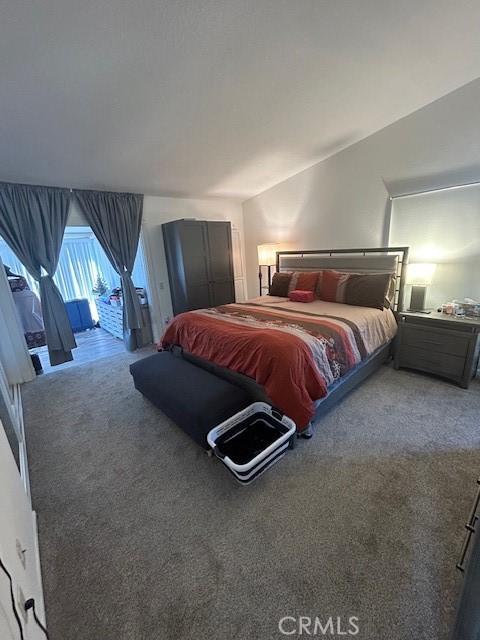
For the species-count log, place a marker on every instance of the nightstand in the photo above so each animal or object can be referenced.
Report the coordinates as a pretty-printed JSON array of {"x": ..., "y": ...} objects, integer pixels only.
[{"x": 437, "y": 343}]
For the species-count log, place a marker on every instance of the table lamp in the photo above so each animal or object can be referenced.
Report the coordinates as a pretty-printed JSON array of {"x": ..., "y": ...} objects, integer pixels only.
[
  {"x": 419, "y": 275},
  {"x": 267, "y": 257}
]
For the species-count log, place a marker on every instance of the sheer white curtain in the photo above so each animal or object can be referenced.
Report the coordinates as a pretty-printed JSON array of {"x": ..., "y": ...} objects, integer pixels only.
[
  {"x": 14, "y": 355},
  {"x": 81, "y": 261}
]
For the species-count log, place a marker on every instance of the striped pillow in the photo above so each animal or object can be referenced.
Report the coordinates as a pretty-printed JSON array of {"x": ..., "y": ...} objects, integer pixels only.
[
  {"x": 358, "y": 289},
  {"x": 333, "y": 286},
  {"x": 303, "y": 280}
]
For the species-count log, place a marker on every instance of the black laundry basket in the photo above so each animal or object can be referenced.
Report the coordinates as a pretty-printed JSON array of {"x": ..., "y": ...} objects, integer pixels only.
[{"x": 252, "y": 440}]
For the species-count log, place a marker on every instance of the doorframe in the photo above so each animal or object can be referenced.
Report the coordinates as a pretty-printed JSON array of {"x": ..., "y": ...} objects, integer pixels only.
[{"x": 12, "y": 400}]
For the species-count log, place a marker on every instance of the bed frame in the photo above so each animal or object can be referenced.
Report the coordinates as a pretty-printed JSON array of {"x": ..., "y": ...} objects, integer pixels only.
[
  {"x": 391, "y": 259},
  {"x": 364, "y": 260}
]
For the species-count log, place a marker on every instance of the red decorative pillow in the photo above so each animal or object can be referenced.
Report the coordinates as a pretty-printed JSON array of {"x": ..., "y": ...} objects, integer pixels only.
[
  {"x": 333, "y": 286},
  {"x": 303, "y": 281},
  {"x": 301, "y": 296}
]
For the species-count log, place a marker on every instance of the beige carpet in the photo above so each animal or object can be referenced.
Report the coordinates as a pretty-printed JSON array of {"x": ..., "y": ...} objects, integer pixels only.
[{"x": 143, "y": 537}]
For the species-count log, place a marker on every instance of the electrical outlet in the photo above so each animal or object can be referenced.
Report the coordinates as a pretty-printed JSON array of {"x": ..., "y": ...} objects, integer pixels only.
[
  {"x": 161, "y": 286},
  {"x": 21, "y": 552},
  {"x": 21, "y": 604}
]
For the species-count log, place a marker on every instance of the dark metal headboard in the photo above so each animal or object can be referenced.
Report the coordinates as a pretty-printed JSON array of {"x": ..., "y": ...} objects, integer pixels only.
[{"x": 401, "y": 254}]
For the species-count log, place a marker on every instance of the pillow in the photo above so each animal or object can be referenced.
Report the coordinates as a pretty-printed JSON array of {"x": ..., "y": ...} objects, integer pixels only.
[
  {"x": 332, "y": 287},
  {"x": 280, "y": 284},
  {"x": 375, "y": 290},
  {"x": 367, "y": 289},
  {"x": 301, "y": 296},
  {"x": 303, "y": 281}
]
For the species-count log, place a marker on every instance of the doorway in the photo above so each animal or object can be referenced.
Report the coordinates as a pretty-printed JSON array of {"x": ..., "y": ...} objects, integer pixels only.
[{"x": 90, "y": 288}]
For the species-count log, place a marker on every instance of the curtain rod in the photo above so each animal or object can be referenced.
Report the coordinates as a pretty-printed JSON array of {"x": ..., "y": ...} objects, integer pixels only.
[
  {"x": 70, "y": 190},
  {"x": 419, "y": 193}
]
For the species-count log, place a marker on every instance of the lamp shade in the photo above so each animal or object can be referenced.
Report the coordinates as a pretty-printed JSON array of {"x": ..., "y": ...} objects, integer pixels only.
[
  {"x": 267, "y": 253},
  {"x": 420, "y": 273}
]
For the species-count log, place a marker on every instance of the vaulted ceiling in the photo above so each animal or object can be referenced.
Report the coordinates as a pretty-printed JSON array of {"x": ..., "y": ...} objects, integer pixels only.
[{"x": 214, "y": 97}]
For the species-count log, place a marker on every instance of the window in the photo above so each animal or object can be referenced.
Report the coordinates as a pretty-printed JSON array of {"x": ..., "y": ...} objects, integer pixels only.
[{"x": 442, "y": 227}]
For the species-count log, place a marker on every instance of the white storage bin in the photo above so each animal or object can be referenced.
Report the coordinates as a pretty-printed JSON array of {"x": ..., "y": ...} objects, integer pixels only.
[{"x": 252, "y": 440}]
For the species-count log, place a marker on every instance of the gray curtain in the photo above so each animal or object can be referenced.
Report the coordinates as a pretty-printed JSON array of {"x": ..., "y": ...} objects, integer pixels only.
[
  {"x": 115, "y": 219},
  {"x": 32, "y": 223}
]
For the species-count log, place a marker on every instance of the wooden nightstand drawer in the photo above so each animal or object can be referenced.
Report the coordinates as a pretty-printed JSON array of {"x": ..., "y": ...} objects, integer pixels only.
[
  {"x": 443, "y": 364},
  {"x": 436, "y": 340}
]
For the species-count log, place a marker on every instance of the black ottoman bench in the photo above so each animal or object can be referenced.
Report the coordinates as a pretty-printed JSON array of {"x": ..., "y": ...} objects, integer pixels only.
[{"x": 194, "y": 398}]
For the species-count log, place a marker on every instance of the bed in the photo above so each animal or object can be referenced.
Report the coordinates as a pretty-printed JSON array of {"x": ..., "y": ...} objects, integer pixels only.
[{"x": 300, "y": 357}]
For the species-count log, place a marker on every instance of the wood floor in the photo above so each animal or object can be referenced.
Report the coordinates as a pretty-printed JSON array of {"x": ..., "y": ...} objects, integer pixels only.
[{"x": 91, "y": 345}]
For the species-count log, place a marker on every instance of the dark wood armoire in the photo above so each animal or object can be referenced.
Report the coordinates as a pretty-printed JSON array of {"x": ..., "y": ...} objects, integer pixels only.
[{"x": 200, "y": 264}]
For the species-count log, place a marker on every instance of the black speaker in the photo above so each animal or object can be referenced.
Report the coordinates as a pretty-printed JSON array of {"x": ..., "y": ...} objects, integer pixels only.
[{"x": 417, "y": 298}]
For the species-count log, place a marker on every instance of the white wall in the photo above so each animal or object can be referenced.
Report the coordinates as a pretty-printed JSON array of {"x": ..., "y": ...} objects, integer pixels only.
[
  {"x": 17, "y": 523},
  {"x": 344, "y": 200},
  {"x": 158, "y": 210}
]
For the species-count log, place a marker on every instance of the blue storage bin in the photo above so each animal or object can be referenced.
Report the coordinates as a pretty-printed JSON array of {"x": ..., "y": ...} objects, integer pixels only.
[{"x": 79, "y": 315}]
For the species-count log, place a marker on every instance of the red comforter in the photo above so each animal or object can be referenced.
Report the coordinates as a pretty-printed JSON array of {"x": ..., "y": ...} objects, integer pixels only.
[{"x": 293, "y": 355}]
